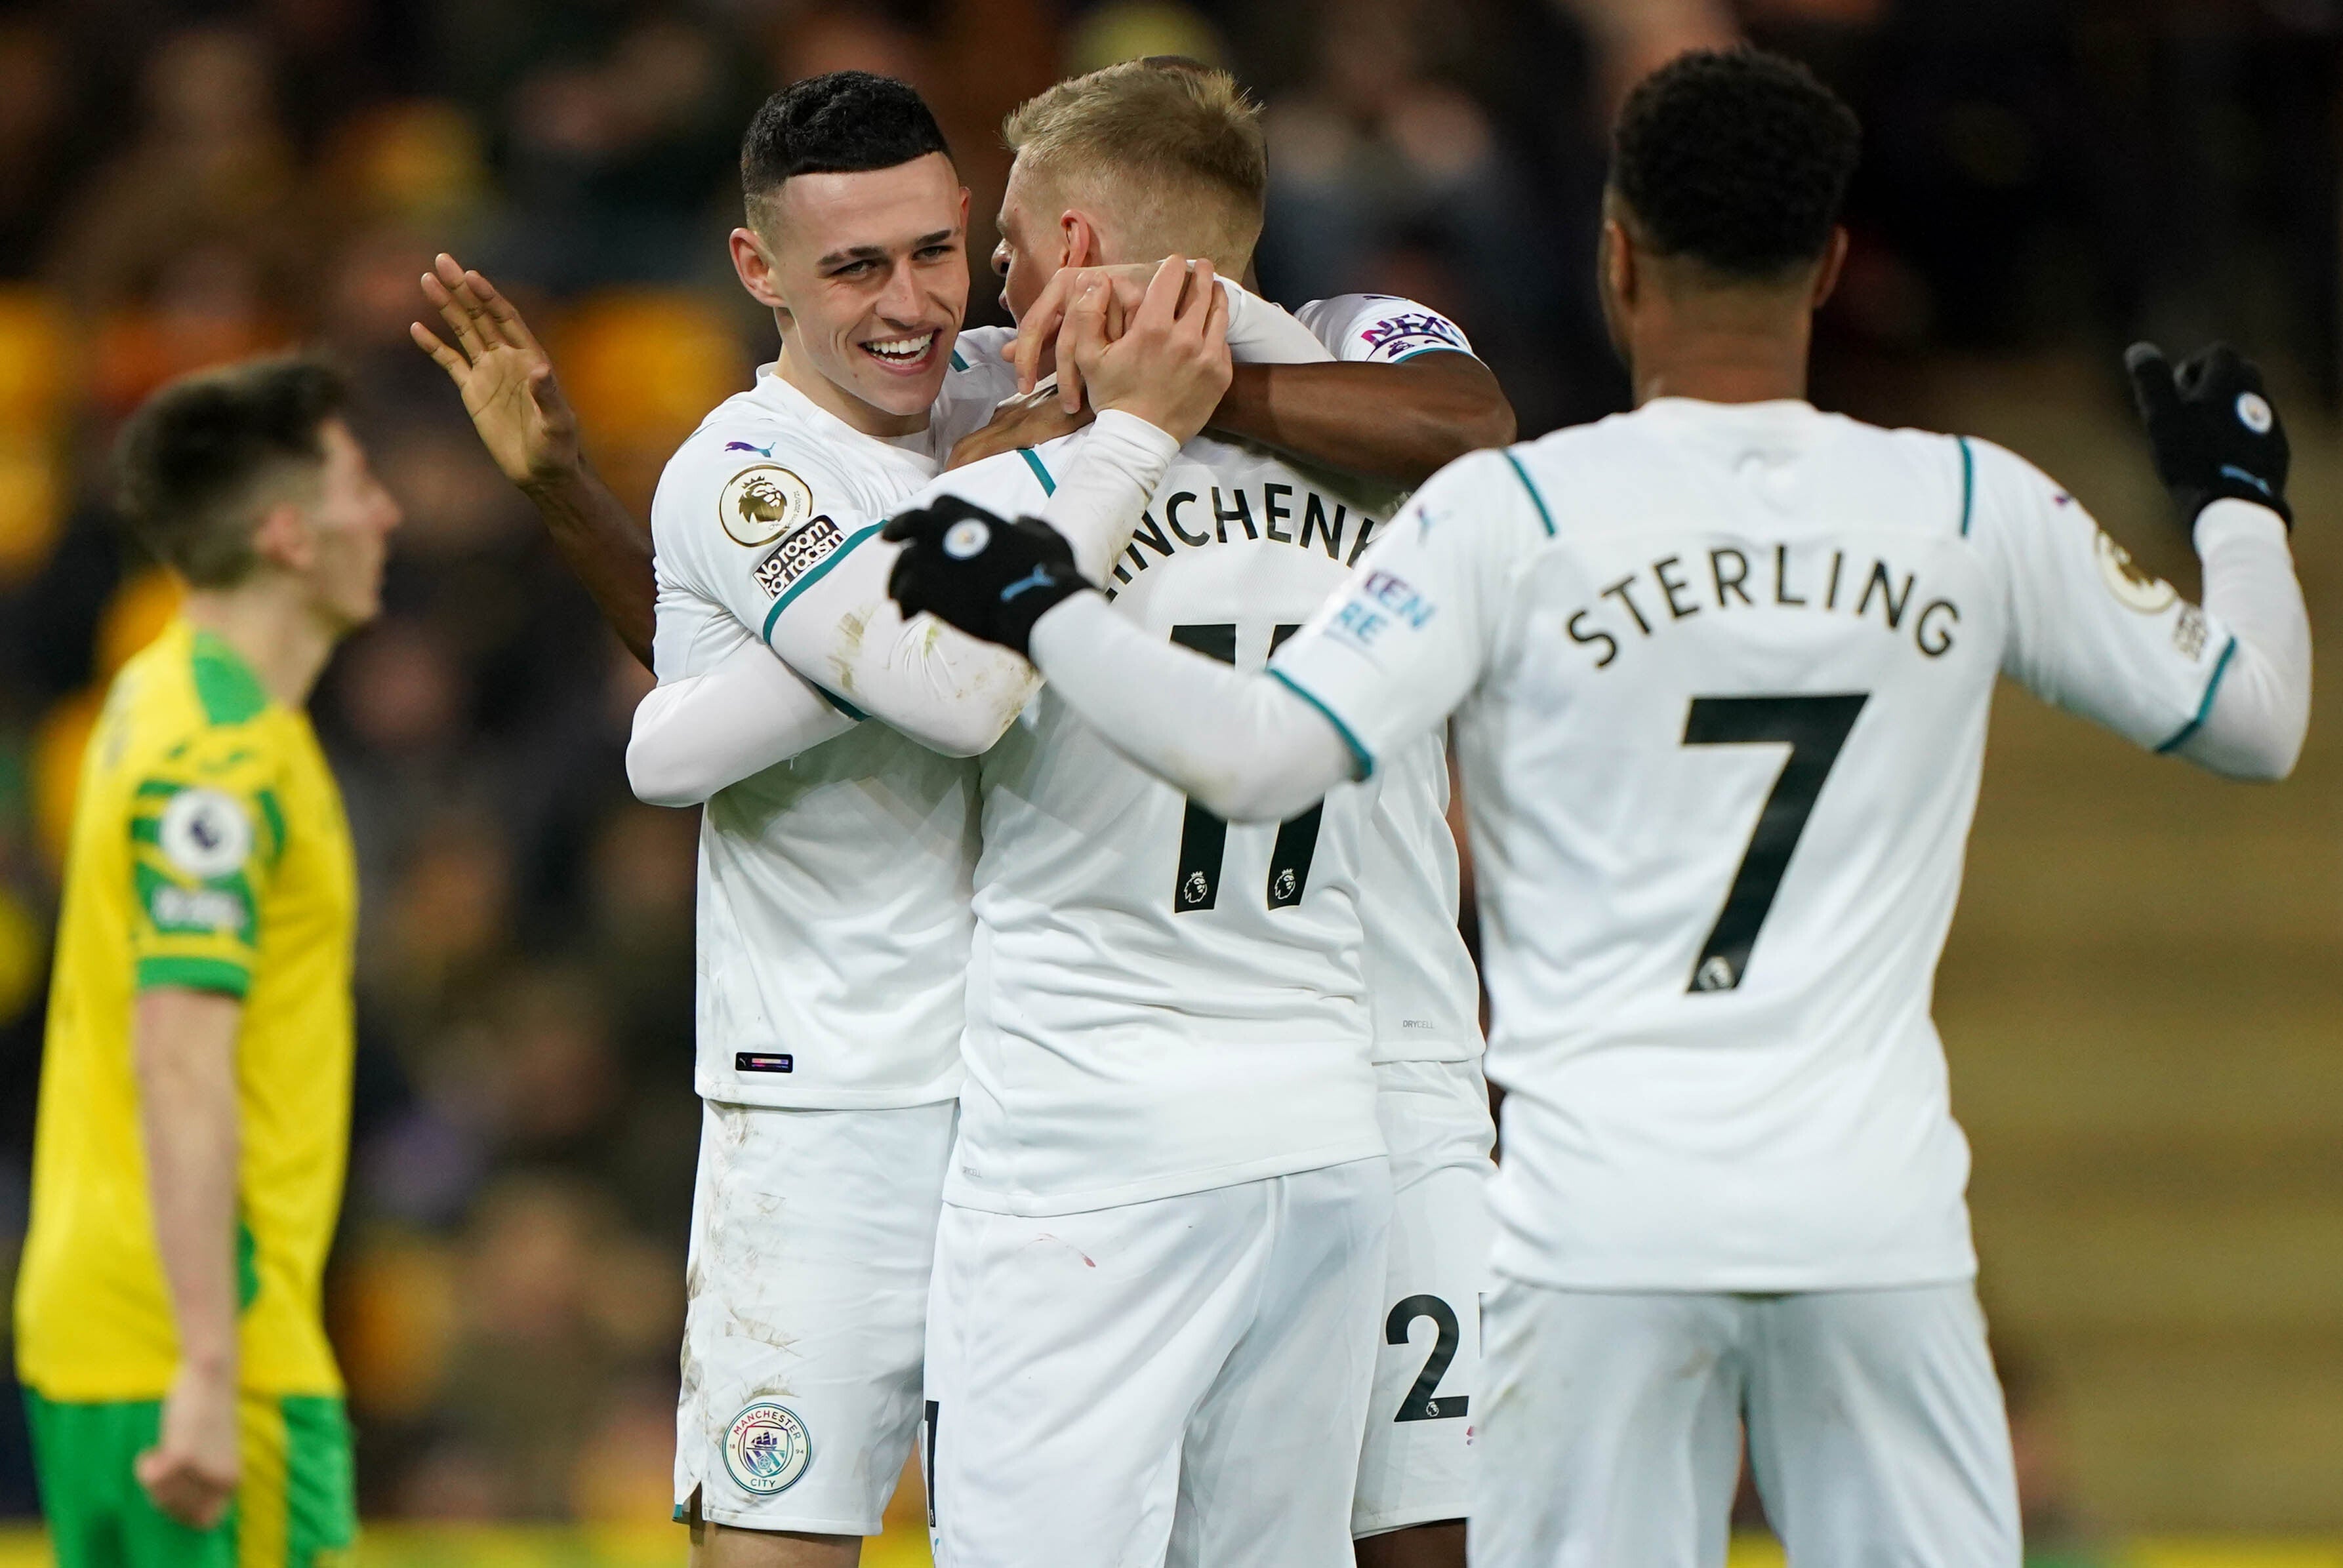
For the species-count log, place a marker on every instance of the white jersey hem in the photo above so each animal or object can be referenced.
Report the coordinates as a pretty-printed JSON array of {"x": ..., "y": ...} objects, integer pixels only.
[
  {"x": 1693, "y": 1279},
  {"x": 815, "y": 1097},
  {"x": 961, "y": 1193}
]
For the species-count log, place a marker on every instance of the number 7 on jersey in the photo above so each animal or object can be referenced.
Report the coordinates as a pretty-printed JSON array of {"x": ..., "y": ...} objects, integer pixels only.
[{"x": 1815, "y": 728}]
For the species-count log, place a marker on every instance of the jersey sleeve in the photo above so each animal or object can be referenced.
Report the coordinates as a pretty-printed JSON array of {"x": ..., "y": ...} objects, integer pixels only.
[
  {"x": 1392, "y": 652},
  {"x": 206, "y": 833},
  {"x": 2088, "y": 629},
  {"x": 1381, "y": 328},
  {"x": 945, "y": 690},
  {"x": 752, "y": 524}
]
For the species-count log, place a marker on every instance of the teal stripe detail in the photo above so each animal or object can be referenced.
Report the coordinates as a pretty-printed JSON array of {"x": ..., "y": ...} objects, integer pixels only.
[
  {"x": 957, "y": 363},
  {"x": 1360, "y": 755},
  {"x": 2204, "y": 709},
  {"x": 810, "y": 579},
  {"x": 1433, "y": 349},
  {"x": 1049, "y": 484},
  {"x": 1539, "y": 501},
  {"x": 841, "y": 703},
  {"x": 1968, "y": 483}
]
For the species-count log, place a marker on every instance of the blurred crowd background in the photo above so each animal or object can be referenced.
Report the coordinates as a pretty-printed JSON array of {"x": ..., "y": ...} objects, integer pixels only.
[{"x": 2044, "y": 180}]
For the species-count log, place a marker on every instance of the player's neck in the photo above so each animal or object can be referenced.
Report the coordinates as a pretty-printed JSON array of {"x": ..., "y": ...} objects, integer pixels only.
[
  {"x": 1723, "y": 367},
  {"x": 273, "y": 628},
  {"x": 832, "y": 398}
]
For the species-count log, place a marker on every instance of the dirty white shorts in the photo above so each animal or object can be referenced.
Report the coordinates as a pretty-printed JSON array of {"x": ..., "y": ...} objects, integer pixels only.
[{"x": 813, "y": 1235}]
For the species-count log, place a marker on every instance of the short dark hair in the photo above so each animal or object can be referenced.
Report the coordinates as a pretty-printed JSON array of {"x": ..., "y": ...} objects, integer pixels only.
[
  {"x": 189, "y": 458},
  {"x": 1736, "y": 158},
  {"x": 840, "y": 123}
]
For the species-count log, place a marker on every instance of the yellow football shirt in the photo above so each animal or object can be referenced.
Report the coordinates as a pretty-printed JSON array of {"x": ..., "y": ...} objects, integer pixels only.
[{"x": 209, "y": 850}]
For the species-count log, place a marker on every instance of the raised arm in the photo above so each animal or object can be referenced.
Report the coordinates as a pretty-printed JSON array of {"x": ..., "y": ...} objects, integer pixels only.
[
  {"x": 2227, "y": 686},
  {"x": 507, "y": 381}
]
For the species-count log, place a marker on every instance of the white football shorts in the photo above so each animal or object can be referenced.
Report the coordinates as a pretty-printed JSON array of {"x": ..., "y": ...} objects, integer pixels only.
[
  {"x": 1179, "y": 1382},
  {"x": 1415, "y": 1468},
  {"x": 812, "y": 1237},
  {"x": 1613, "y": 1428}
]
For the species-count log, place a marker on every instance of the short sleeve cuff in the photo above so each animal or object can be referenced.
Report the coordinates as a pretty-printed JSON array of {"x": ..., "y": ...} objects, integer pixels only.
[{"x": 221, "y": 976}]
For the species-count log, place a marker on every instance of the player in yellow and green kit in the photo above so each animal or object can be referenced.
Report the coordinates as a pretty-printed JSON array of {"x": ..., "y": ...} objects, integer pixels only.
[{"x": 185, "y": 1408}]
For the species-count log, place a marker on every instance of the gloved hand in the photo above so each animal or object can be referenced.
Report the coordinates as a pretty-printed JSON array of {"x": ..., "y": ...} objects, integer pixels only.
[
  {"x": 992, "y": 578},
  {"x": 2215, "y": 433}
]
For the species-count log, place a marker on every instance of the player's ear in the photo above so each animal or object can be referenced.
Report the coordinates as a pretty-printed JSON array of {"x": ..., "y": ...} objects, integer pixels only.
[
  {"x": 1834, "y": 262},
  {"x": 754, "y": 264},
  {"x": 1079, "y": 238},
  {"x": 285, "y": 538},
  {"x": 1616, "y": 261}
]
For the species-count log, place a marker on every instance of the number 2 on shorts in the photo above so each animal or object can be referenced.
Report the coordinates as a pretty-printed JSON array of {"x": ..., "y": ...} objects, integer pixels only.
[{"x": 1815, "y": 728}]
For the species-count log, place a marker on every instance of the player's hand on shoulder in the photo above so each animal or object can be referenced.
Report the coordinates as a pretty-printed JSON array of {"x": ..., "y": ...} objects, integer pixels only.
[
  {"x": 1027, "y": 419},
  {"x": 2214, "y": 433},
  {"x": 503, "y": 374},
  {"x": 989, "y": 576},
  {"x": 1169, "y": 365},
  {"x": 192, "y": 1471}
]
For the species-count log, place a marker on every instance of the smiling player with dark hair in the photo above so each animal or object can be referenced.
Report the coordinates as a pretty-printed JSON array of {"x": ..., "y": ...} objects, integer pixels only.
[{"x": 1720, "y": 670}]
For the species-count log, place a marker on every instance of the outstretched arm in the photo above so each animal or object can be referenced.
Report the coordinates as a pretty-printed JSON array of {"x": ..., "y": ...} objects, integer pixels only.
[
  {"x": 1398, "y": 423},
  {"x": 1381, "y": 386},
  {"x": 507, "y": 381}
]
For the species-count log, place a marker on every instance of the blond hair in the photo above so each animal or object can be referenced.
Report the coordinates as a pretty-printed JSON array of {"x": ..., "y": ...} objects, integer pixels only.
[{"x": 1172, "y": 147}]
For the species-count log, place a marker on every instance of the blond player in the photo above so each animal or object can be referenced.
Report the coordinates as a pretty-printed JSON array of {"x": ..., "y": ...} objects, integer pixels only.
[{"x": 194, "y": 1091}]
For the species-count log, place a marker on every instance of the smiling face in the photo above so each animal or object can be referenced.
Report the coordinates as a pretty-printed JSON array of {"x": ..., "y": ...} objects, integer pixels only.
[{"x": 869, "y": 273}]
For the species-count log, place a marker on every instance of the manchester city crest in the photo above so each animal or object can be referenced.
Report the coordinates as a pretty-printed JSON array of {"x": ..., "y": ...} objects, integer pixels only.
[
  {"x": 767, "y": 1448},
  {"x": 762, "y": 502}
]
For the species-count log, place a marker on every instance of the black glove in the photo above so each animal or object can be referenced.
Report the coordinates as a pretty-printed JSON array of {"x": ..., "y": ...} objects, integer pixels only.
[
  {"x": 990, "y": 577},
  {"x": 2215, "y": 433}
]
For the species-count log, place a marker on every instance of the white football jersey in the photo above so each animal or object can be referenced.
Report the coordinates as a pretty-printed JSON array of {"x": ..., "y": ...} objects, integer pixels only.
[
  {"x": 1723, "y": 675},
  {"x": 833, "y": 920},
  {"x": 1158, "y": 1001}
]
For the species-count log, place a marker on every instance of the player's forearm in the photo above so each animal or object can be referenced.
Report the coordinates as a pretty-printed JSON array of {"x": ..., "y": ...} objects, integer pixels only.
[
  {"x": 1398, "y": 423},
  {"x": 186, "y": 1063},
  {"x": 707, "y": 732},
  {"x": 606, "y": 550},
  {"x": 1241, "y": 745},
  {"x": 940, "y": 686},
  {"x": 2261, "y": 711},
  {"x": 1098, "y": 503}
]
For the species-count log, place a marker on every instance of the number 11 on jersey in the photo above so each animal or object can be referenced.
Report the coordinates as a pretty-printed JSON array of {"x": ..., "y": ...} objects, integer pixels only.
[{"x": 1204, "y": 838}]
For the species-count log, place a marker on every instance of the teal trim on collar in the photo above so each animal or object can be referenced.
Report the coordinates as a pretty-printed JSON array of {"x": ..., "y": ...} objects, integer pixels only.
[
  {"x": 1968, "y": 483},
  {"x": 810, "y": 579},
  {"x": 1049, "y": 484},
  {"x": 2204, "y": 709},
  {"x": 1539, "y": 501},
  {"x": 1361, "y": 757},
  {"x": 957, "y": 363}
]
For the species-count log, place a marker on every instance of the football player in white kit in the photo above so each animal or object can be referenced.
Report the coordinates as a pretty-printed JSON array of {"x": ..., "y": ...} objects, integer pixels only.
[
  {"x": 1720, "y": 670},
  {"x": 1172, "y": 963},
  {"x": 761, "y": 476}
]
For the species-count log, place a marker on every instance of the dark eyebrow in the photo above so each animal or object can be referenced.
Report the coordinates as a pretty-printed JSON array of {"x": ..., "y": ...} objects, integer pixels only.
[{"x": 879, "y": 252}]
